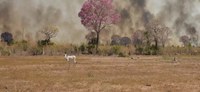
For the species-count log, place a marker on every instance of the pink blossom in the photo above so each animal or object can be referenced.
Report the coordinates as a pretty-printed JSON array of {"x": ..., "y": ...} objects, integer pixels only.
[{"x": 97, "y": 14}]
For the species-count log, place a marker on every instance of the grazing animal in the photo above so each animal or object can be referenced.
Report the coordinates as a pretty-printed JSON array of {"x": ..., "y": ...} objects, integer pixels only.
[{"x": 70, "y": 58}]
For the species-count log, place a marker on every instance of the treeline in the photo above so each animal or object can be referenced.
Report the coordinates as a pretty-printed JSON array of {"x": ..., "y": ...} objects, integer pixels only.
[
  {"x": 119, "y": 46},
  {"x": 24, "y": 48},
  {"x": 151, "y": 41}
]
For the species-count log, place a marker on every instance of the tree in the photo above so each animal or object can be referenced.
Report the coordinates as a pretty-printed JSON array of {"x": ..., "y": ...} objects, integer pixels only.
[
  {"x": 158, "y": 33},
  {"x": 164, "y": 35},
  {"x": 125, "y": 41},
  {"x": 115, "y": 40},
  {"x": 193, "y": 34},
  {"x": 7, "y": 37},
  {"x": 185, "y": 40},
  {"x": 91, "y": 38},
  {"x": 154, "y": 28},
  {"x": 49, "y": 31},
  {"x": 137, "y": 38},
  {"x": 97, "y": 15}
]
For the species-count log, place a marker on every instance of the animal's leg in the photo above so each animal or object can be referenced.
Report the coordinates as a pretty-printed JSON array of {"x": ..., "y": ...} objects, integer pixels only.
[
  {"x": 68, "y": 65},
  {"x": 75, "y": 60}
]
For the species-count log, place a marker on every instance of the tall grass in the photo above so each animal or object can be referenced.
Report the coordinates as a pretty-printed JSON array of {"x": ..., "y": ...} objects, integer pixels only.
[{"x": 24, "y": 48}]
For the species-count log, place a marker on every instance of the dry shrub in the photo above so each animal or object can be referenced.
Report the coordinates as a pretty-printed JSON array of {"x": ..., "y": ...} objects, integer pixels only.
[
  {"x": 125, "y": 51},
  {"x": 55, "y": 50},
  {"x": 116, "y": 50},
  {"x": 4, "y": 52},
  {"x": 25, "y": 48},
  {"x": 8, "y": 50},
  {"x": 180, "y": 50},
  {"x": 104, "y": 50},
  {"x": 83, "y": 49},
  {"x": 36, "y": 51}
]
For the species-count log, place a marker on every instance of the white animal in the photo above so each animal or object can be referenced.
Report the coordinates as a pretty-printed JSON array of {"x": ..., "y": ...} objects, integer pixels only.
[{"x": 69, "y": 58}]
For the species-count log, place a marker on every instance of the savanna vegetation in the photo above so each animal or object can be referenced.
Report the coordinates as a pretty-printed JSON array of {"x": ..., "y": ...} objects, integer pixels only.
[
  {"x": 98, "y": 16},
  {"x": 144, "y": 59}
]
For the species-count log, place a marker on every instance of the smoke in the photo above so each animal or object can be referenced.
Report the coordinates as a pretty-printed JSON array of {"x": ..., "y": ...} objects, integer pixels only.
[
  {"x": 134, "y": 16},
  {"x": 24, "y": 18},
  {"x": 179, "y": 15}
]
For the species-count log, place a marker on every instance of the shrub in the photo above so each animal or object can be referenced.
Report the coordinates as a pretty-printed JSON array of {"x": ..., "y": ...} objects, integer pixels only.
[
  {"x": 7, "y": 37},
  {"x": 82, "y": 48},
  {"x": 75, "y": 49},
  {"x": 104, "y": 50},
  {"x": 91, "y": 49},
  {"x": 139, "y": 50},
  {"x": 42, "y": 43},
  {"x": 172, "y": 50},
  {"x": 121, "y": 54},
  {"x": 4, "y": 52},
  {"x": 115, "y": 50},
  {"x": 147, "y": 50},
  {"x": 36, "y": 51},
  {"x": 22, "y": 45}
]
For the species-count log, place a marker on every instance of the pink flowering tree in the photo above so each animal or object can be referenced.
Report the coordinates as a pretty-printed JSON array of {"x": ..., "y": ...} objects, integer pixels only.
[{"x": 96, "y": 15}]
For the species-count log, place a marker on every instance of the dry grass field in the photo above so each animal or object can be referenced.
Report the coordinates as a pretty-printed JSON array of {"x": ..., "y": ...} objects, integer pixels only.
[{"x": 100, "y": 74}]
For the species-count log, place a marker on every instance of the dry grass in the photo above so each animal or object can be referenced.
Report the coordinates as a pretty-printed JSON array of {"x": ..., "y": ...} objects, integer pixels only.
[{"x": 100, "y": 74}]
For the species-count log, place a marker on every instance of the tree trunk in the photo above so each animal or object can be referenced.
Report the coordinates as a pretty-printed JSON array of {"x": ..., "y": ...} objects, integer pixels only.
[
  {"x": 156, "y": 43},
  {"x": 97, "y": 42},
  {"x": 43, "y": 52},
  {"x": 163, "y": 45}
]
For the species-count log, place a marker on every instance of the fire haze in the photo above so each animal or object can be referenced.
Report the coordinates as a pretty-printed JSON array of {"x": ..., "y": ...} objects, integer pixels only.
[{"x": 24, "y": 18}]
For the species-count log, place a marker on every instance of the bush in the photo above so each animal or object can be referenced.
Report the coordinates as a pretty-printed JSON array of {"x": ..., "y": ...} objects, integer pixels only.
[
  {"x": 172, "y": 50},
  {"x": 147, "y": 50},
  {"x": 104, "y": 50},
  {"x": 115, "y": 50},
  {"x": 42, "y": 43},
  {"x": 36, "y": 51},
  {"x": 7, "y": 37},
  {"x": 75, "y": 49},
  {"x": 122, "y": 55},
  {"x": 82, "y": 48},
  {"x": 91, "y": 49},
  {"x": 139, "y": 51},
  {"x": 22, "y": 45},
  {"x": 5, "y": 52}
]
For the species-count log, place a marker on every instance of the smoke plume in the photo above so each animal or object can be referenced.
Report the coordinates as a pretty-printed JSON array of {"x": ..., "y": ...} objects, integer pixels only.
[
  {"x": 24, "y": 18},
  {"x": 179, "y": 15}
]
